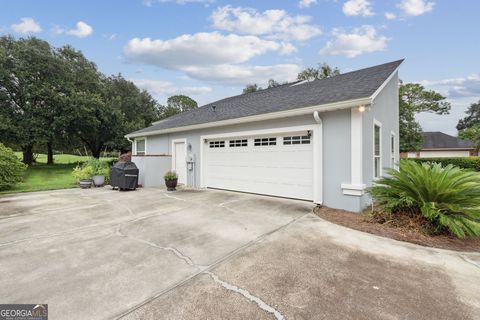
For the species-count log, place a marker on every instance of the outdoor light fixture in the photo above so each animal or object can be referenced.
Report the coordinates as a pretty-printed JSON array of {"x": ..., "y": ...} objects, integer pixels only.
[
  {"x": 309, "y": 133},
  {"x": 362, "y": 108}
]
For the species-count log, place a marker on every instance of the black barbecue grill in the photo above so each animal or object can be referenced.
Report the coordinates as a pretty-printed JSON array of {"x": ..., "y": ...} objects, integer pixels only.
[{"x": 124, "y": 176}]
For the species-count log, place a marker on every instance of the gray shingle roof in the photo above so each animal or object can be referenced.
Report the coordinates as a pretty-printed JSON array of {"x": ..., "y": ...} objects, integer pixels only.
[
  {"x": 440, "y": 140},
  {"x": 352, "y": 85}
]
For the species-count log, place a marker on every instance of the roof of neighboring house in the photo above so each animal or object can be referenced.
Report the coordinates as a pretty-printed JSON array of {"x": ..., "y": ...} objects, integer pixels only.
[
  {"x": 348, "y": 86},
  {"x": 440, "y": 140}
]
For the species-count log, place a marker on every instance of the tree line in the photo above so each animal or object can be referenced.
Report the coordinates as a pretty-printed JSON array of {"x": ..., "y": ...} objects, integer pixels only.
[{"x": 55, "y": 98}]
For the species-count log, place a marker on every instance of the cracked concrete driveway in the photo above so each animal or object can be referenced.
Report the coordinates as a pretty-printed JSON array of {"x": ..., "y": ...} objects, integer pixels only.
[{"x": 149, "y": 254}]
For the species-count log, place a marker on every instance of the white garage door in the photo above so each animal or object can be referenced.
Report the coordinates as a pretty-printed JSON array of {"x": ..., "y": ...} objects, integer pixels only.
[{"x": 278, "y": 165}]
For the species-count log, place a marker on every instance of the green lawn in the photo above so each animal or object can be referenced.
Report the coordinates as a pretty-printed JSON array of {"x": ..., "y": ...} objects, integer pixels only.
[{"x": 41, "y": 176}]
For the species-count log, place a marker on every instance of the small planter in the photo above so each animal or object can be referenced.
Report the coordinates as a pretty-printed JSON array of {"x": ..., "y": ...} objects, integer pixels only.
[
  {"x": 98, "y": 181},
  {"x": 85, "y": 184},
  {"x": 171, "y": 184}
]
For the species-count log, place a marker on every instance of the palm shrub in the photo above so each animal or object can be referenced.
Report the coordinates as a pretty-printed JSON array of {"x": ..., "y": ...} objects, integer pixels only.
[
  {"x": 11, "y": 168},
  {"x": 448, "y": 197}
]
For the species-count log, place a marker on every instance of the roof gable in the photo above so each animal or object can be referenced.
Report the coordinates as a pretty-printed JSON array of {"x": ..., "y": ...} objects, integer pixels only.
[{"x": 348, "y": 86}]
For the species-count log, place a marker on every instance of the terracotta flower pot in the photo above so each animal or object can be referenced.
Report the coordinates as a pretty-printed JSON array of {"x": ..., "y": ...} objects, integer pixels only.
[{"x": 171, "y": 184}]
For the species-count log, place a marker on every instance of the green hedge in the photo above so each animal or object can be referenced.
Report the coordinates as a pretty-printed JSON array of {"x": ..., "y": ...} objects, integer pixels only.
[
  {"x": 470, "y": 163},
  {"x": 11, "y": 168}
]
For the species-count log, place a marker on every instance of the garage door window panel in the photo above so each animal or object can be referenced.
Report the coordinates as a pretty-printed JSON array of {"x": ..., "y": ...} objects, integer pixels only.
[
  {"x": 265, "y": 142},
  {"x": 238, "y": 143},
  {"x": 296, "y": 140},
  {"x": 217, "y": 144}
]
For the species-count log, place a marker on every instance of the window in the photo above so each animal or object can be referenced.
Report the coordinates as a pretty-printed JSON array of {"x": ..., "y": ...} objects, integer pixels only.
[
  {"x": 377, "y": 152},
  {"x": 265, "y": 142},
  {"x": 140, "y": 146},
  {"x": 296, "y": 140},
  {"x": 392, "y": 151},
  {"x": 238, "y": 143},
  {"x": 217, "y": 144}
]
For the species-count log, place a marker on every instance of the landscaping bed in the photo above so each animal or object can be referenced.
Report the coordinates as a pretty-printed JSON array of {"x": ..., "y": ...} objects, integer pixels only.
[{"x": 404, "y": 229}]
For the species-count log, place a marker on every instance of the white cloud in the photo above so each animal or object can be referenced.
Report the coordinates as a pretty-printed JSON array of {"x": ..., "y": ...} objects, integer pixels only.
[
  {"x": 81, "y": 30},
  {"x": 390, "y": 15},
  {"x": 364, "y": 39},
  {"x": 275, "y": 24},
  {"x": 242, "y": 74},
  {"x": 416, "y": 7},
  {"x": 357, "y": 8},
  {"x": 28, "y": 25},
  {"x": 457, "y": 87},
  {"x": 149, "y": 3},
  {"x": 306, "y": 3},
  {"x": 167, "y": 88},
  {"x": 200, "y": 49}
]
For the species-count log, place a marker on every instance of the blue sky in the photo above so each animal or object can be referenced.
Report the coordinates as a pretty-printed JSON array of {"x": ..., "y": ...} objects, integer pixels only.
[{"x": 210, "y": 49}]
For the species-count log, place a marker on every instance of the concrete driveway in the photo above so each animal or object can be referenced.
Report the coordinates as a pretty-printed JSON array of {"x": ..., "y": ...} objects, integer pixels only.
[{"x": 149, "y": 254}]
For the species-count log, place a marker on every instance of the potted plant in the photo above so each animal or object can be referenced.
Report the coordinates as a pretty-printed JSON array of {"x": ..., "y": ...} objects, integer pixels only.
[
  {"x": 100, "y": 171},
  {"x": 83, "y": 174},
  {"x": 171, "y": 178}
]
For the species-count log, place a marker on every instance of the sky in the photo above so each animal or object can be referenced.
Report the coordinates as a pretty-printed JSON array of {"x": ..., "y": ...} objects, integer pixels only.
[{"x": 211, "y": 49}]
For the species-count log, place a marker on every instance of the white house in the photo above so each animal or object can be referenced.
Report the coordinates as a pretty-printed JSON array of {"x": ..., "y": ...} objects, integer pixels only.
[
  {"x": 324, "y": 141},
  {"x": 441, "y": 145}
]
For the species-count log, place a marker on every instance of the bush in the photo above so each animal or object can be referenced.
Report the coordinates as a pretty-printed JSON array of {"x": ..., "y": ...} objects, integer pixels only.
[
  {"x": 91, "y": 167},
  {"x": 170, "y": 175},
  {"x": 448, "y": 197},
  {"x": 469, "y": 163},
  {"x": 11, "y": 168}
]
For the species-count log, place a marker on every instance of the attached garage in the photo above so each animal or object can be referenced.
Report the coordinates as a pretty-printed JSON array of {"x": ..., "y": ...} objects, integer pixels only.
[
  {"x": 279, "y": 163},
  {"x": 310, "y": 140}
]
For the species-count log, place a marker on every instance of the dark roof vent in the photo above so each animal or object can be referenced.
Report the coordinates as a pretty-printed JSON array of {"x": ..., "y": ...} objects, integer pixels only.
[{"x": 213, "y": 108}]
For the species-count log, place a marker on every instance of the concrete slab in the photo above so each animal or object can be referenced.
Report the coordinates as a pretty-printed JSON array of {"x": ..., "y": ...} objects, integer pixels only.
[{"x": 149, "y": 254}]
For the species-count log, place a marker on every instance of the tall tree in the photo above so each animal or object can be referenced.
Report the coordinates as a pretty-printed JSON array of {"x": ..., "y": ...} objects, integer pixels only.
[
  {"x": 414, "y": 98},
  {"x": 182, "y": 103},
  {"x": 272, "y": 83},
  {"x": 30, "y": 89},
  {"x": 472, "y": 119},
  {"x": 321, "y": 72},
  {"x": 249, "y": 88},
  {"x": 469, "y": 127}
]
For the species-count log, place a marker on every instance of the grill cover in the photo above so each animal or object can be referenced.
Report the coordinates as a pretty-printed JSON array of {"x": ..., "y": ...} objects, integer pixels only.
[{"x": 124, "y": 175}]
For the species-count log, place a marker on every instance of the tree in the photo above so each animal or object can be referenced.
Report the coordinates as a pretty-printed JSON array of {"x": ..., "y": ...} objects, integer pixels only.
[
  {"x": 472, "y": 119},
  {"x": 414, "y": 98},
  {"x": 469, "y": 127},
  {"x": 321, "y": 72},
  {"x": 182, "y": 103},
  {"x": 249, "y": 88},
  {"x": 30, "y": 88},
  {"x": 472, "y": 134},
  {"x": 272, "y": 83}
]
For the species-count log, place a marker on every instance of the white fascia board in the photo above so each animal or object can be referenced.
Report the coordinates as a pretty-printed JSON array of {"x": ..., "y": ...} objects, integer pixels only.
[{"x": 261, "y": 117}]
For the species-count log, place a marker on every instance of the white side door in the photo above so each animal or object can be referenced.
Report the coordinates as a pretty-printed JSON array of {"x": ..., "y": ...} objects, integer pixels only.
[{"x": 179, "y": 163}]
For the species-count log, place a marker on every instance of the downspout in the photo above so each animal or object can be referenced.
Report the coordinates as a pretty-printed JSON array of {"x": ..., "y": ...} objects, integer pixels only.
[{"x": 318, "y": 159}]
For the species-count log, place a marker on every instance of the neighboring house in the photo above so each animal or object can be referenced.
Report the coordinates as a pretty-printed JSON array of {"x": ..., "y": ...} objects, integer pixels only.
[
  {"x": 441, "y": 145},
  {"x": 324, "y": 141}
]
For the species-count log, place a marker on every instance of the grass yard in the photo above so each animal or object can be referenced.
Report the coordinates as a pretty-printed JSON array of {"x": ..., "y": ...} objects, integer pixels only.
[{"x": 40, "y": 176}]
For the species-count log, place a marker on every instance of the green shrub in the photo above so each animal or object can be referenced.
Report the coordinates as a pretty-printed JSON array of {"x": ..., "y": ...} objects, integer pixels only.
[
  {"x": 170, "y": 175},
  {"x": 469, "y": 163},
  {"x": 448, "y": 197},
  {"x": 91, "y": 167},
  {"x": 11, "y": 168}
]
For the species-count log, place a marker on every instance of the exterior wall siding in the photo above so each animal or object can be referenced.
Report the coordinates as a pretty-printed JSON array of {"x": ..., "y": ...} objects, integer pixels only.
[{"x": 385, "y": 109}]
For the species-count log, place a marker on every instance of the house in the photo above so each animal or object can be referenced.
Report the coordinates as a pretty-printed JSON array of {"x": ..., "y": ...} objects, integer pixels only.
[
  {"x": 324, "y": 141},
  {"x": 441, "y": 145}
]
